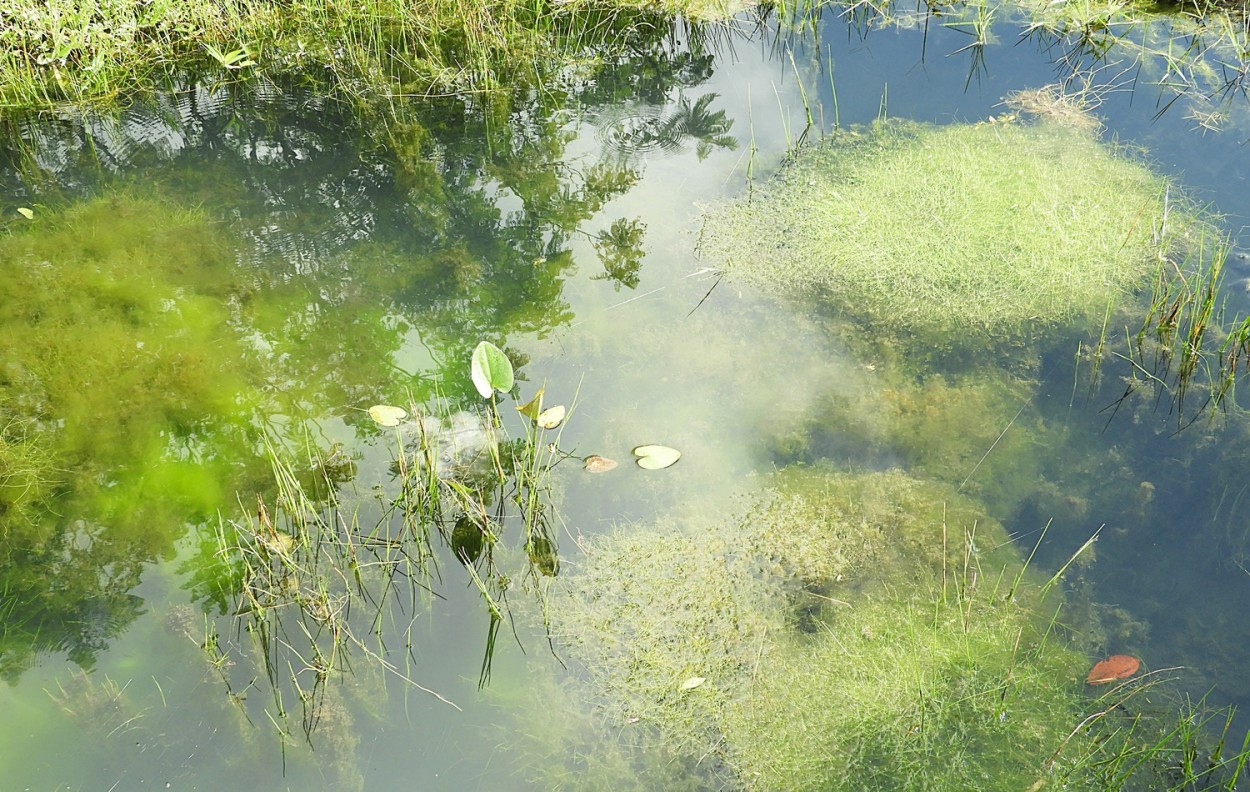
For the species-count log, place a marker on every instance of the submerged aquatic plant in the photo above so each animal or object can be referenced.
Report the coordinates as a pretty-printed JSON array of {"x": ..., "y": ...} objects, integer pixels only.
[
  {"x": 963, "y": 229},
  {"x": 123, "y": 384},
  {"x": 861, "y": 605},
  {"x": 843, "y": 631}
]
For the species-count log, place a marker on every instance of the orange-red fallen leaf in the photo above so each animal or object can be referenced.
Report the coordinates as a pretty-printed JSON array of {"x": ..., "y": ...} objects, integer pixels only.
[{"x": 1113, "y": 668}]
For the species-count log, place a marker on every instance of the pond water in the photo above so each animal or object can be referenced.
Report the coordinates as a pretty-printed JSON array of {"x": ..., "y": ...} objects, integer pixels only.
[{"x": 247, "y": 264}]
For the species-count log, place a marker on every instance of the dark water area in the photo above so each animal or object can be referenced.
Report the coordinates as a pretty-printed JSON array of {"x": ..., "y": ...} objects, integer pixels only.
[{"x": 239, "y": 267}]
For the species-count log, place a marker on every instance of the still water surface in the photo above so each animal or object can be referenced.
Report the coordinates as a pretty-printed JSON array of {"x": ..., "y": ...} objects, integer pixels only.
[{"x": 351, "y": 262}]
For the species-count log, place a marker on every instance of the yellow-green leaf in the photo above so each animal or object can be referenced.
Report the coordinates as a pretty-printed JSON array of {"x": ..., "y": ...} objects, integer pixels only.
[
  {"x": 386, "y": 415},
  {"x": 550, "y": 419},
  {"x": 533, "y": 407},
  {"x": 656, "y": 457}
]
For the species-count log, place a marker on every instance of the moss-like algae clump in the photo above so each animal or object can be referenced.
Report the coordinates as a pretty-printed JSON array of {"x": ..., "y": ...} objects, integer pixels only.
[
  {"x": 851, "y": 631},
  {"x": 989, "y": 227},
  {"x": 118, "y": 334},
  {"x": 124, "y": 402}
]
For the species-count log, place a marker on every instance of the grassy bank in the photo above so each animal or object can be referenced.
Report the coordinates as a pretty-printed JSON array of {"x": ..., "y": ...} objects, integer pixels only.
[
  {"x": 56, "y": 51},
  {"x": 70, "y": 50}
]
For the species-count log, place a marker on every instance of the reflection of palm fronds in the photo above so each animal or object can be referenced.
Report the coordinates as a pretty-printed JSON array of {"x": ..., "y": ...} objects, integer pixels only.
[{"x": 645, "y": 129}]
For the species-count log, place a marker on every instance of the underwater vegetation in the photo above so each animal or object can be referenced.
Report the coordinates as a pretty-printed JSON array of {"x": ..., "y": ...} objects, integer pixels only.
[
  {"x": 121, "y": 389},
  {"x": 983, "y": 382},
  {"x": 815, "y": 606},
  {"x": 838, "y": 631},
  {"x": 983, "y": 229}
]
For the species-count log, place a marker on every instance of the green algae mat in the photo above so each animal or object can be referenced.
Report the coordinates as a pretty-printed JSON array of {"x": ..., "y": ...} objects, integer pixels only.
[{"x": 991, "y": 226}]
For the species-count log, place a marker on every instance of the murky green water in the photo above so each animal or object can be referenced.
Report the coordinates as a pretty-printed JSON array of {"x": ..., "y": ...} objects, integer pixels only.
[{"x": 242, "y": 264}]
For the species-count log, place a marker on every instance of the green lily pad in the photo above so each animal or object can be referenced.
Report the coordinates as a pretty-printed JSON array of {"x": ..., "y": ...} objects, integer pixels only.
[
  {"x": 656, "y": 457},
  {"x": 386, "y": 415}
]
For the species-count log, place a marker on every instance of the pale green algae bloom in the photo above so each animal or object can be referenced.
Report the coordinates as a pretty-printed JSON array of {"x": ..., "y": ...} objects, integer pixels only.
[
  {"x": 122, "y": 394},
  {"x": 118, "y": 343},
  {"x": 850, "y": 631},
  {"x": 982, "y": 228}
]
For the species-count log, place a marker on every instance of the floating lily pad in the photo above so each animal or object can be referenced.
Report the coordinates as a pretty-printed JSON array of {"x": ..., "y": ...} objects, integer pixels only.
[
  {"x": 598, "y": 464},
  {"x": 386, "y": 415},
  {"x": 656, "y": 457},
  {"x": 551, "y": 418}
]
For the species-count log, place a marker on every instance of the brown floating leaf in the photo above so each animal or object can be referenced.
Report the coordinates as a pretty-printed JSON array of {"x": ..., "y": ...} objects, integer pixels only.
[
  {"x": 1113, "y": 668},
  {"x": 598, "y": 464}
]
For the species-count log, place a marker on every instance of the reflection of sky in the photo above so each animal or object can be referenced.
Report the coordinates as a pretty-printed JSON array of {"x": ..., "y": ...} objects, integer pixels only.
[{"x": 644, "y": 369}]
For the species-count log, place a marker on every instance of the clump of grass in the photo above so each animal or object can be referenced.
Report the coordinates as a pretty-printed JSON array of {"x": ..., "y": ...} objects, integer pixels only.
[
  {"x": 468, "y": 500},
  {"x": 322, "y": 582},
  {"x": 1142, "y": 734},
  {"x": 973, "y": 229},
  {"x": 1172, "y": 350},
  {"x": 1057, "y": 105},
  {"x": 27, "y": 472}
]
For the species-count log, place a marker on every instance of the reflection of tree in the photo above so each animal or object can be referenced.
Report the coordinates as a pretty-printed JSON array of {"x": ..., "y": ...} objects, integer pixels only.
[
  {"x": 630, "y": 132},
  {"x": 118, "y": 384},
  {"x": 362, "y": 233},
  {"x": 620, "y": 251},
  {"x": 694, "y": 121}
]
